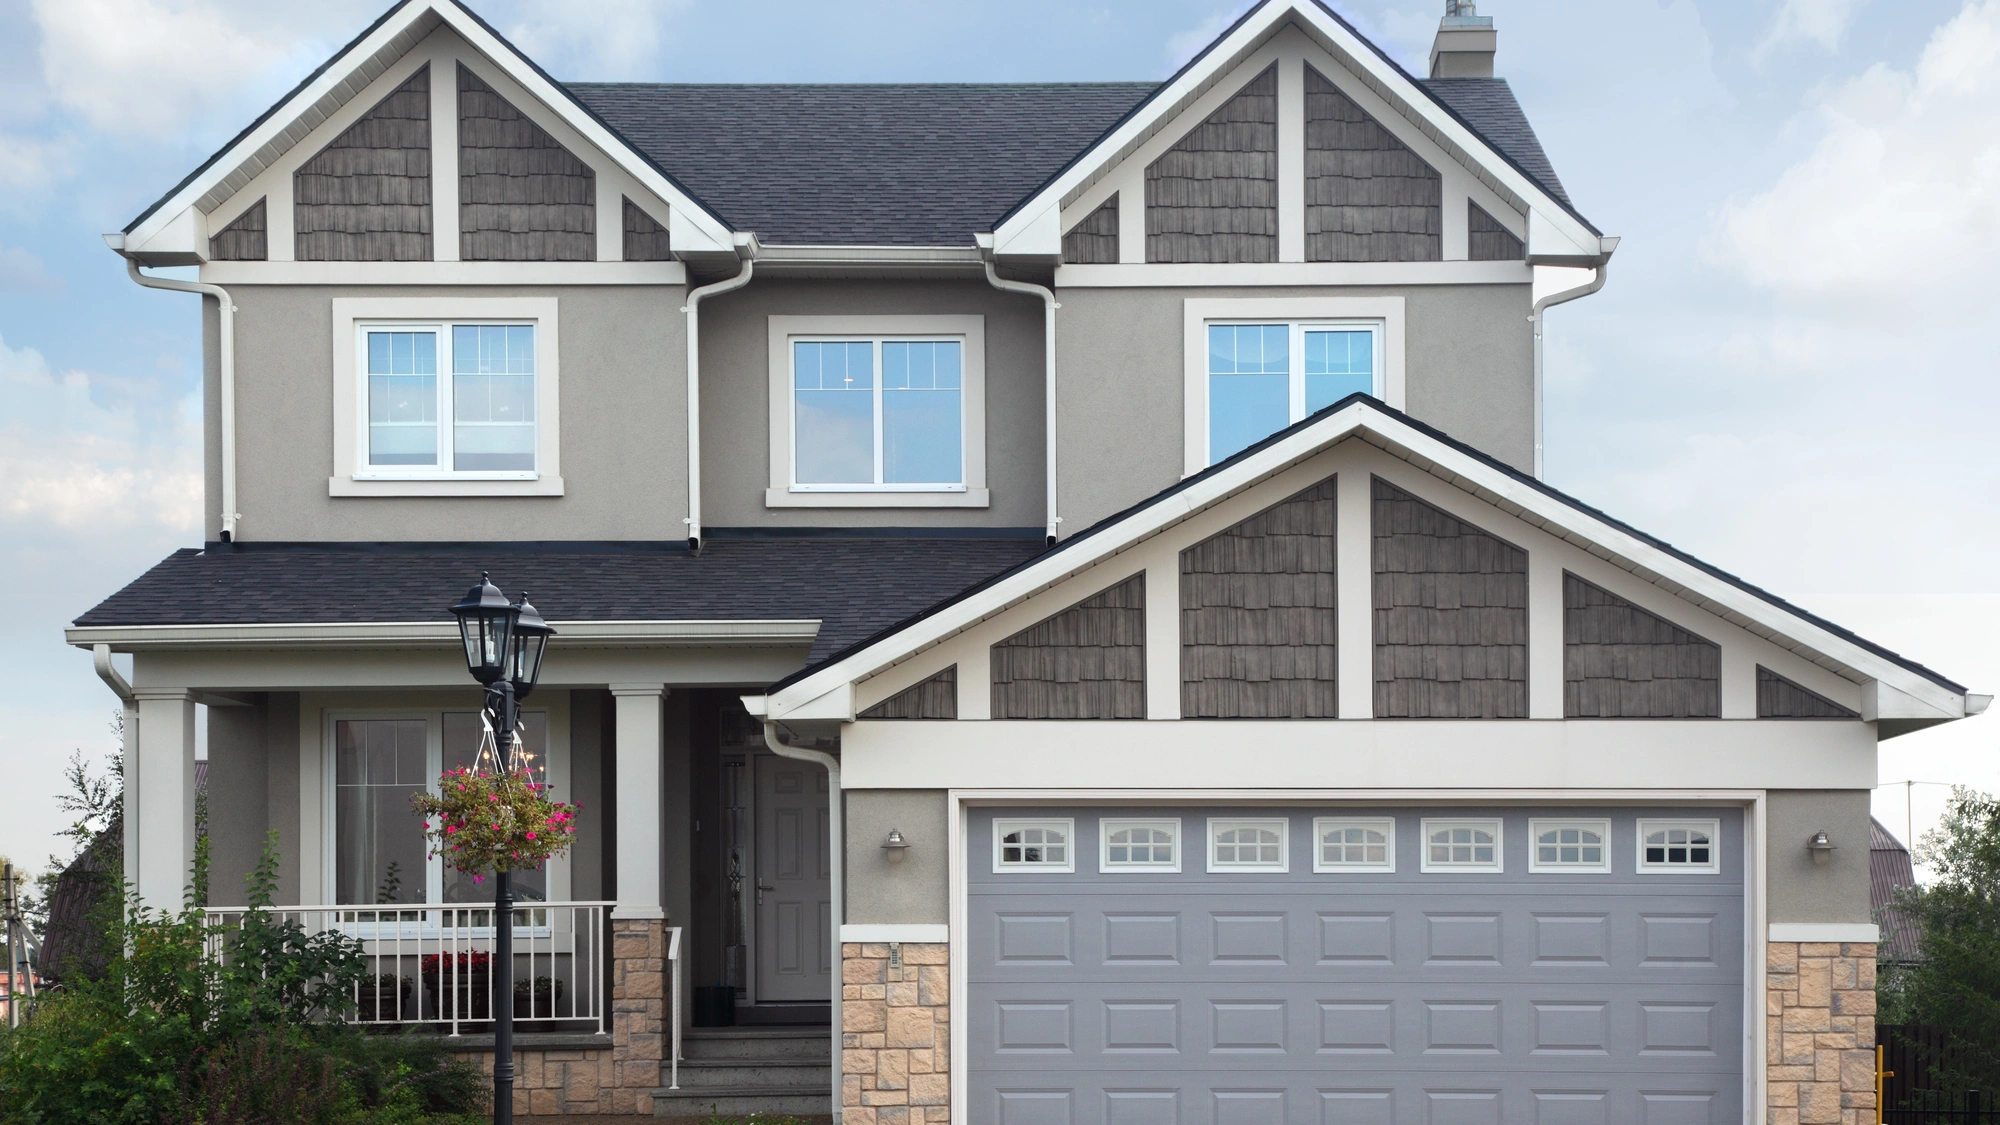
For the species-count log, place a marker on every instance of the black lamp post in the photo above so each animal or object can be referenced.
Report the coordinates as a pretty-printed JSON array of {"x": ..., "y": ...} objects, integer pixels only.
[{"x": 503, "y": 650}]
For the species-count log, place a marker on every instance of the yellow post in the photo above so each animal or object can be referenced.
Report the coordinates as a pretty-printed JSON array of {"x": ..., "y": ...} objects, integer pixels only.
[{"x": 1881, "y": 1080}]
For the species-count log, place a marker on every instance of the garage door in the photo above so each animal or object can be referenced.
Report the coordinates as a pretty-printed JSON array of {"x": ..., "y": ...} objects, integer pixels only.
[{"x": 1232, "y": 966}]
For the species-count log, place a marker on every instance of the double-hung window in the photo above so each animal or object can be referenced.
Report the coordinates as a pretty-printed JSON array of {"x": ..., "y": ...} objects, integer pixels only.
[
  {"x": 884, "y": 413},
  {"x": 1264, "y": 376},
  {"x": 448, "y": 400}
]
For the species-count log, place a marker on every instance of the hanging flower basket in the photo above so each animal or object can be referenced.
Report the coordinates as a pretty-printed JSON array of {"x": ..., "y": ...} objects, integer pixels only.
[{"x": 480, "y": 823}]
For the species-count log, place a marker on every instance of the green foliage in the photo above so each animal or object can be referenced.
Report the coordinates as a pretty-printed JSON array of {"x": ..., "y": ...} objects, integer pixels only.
[
  {"x": 1955, "y": 983},
  {"x": 192, "y": 1021}
]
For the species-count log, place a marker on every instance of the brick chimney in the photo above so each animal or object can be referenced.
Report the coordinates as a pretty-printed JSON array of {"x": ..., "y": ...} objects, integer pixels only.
[{"x": 1464, "y": 44}]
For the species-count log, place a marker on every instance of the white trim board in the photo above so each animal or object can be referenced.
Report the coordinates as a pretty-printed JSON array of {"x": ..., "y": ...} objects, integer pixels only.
[
  {"x": 912, "y": 932},
  {"x": 1867, "y": 932}
]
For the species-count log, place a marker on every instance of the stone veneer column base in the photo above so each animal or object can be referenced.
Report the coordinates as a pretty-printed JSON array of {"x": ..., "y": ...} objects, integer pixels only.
[
  {"x": 895, "y": 1034},
  {"x": 582, "y": 1081},
  {"x": 1820, "y": 1033}
]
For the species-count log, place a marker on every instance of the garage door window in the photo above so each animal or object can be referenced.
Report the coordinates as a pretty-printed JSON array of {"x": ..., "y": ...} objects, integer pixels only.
[
  {"x": 1246, "y": 845},
  {"x": 1033, "y": 845},
  {"x": 1141, "y": 845},
  {"x": 1679, "y": 845},
  {"x": 1350, "y": 844},
  {"x": 1570, "y": 845},
  {"x": 1461, "y": 845}
]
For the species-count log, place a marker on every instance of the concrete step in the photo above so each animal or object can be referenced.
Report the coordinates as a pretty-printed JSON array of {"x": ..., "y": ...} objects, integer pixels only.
[
  {"x": 739, "y": 1101},
  {"x": 756, "y": 1043},
  {"x": 772, "y": 1074}
]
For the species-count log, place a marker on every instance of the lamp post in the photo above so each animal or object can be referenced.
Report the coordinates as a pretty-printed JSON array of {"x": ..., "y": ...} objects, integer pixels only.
[{"x": 503, "y": 650}]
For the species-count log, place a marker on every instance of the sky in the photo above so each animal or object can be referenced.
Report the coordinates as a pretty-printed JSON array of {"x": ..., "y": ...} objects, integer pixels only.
[{"x": 1785, "y": 374}]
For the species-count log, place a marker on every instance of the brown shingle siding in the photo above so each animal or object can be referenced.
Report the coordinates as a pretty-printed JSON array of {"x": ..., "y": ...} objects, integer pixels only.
[
  {"x": 1368, "y": 197},
  {"x": 1094, "y": 239},
  {"x": 243, "y": 240},
  {"x": 1086, "y": 662},
  {"x": 645, "y": 239},
  {"x": 1780, "y": 698},
  {"x": 1621, "y": 662},
  {"x": 1213, "y": 196},
  {"x": 1259, "y": 622},
  {"x": 522, "y": 196},
  {"x": 1487, "y": 240},
  {"x": 366, "y": 197},
  {"x": 934, "y": 698}
]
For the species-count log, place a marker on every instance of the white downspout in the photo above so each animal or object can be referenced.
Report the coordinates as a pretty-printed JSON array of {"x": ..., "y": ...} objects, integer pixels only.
[
  {"x": 1535, "y": 317},
  {"x": 692, "y": 308},
  {"x": 1049, "y": 307},
  {"x": 226, "y": 374},
  {"x": 836, "y": 864},
  {"x": 108, "y": 672}
]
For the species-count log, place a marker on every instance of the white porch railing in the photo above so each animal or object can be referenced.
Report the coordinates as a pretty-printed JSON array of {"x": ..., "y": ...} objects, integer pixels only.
[
  {"x": 432, "y": 965},
  {"x": 677, "y": 973}
]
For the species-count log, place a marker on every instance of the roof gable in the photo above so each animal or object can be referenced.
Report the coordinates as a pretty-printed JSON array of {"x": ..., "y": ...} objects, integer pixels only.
[
  {"x": 1557, "y": 233},
  {"x": 1893, "y": 689},
  {"x": 159, "y": 232}
]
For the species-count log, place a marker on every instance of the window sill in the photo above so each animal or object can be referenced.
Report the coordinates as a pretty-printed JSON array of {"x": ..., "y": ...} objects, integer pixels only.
[
  {"x": 786, "y": 498},
  {"x": 348, "y": 486}
]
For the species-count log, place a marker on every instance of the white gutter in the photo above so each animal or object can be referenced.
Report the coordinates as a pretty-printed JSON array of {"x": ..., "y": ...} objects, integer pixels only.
[
  {"x": 1535, "y": 318},
  {"x": 1049, "y": 307},
  {"x": 108, "y": 672},
  {"x": 226, "y": 364},
  {"x": 692, "y": 308},
  {"x": 836, "y": 864},
  {"x": 437, "y": 634}
]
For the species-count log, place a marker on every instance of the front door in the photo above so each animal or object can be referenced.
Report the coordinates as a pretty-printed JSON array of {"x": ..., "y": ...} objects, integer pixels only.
[{"x": 794, "y": 883}]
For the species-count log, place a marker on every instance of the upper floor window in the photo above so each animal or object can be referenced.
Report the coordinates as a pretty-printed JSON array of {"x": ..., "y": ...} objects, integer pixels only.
[
  {"x": 877, "y": 411},
  {"x": 1263, "y": 377},
  {"x": 450, "y": 398},
  {"x": 446, "y": 396}
]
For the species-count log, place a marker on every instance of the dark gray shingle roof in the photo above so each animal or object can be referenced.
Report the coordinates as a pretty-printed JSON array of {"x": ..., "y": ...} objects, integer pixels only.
[
  {"x": 853, "y": 586},
  {"x": 1488, "y": 105},
  {"x": 915, "y": 165}
]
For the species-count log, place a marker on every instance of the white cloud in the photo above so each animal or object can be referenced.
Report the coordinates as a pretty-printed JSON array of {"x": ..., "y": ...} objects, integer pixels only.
[
  {"x": 132, "y": 67},
  {"x": 1817, "y": 21},
  {"x": 1900, "y": 196},
  {"x": 1187, "y": 43},
  {"x": 22, "y": 272},
  {"x": 68, "y": 461},
  {"x": 620, "y": 40},
  {"x": 29, "y": 166}
]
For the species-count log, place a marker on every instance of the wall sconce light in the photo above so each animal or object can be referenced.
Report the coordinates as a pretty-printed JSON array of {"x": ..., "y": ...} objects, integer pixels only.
[
  {"x": 895, "y": 846},
  {"x": 1821, "y": 847}
]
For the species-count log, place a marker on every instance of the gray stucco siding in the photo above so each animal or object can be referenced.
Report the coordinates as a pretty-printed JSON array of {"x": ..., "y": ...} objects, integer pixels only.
[
  {"x": 1468, "y": 370},
  {"x": 736, "y": 398},
  {"x": 238, "y": 797},
  {"x": 623, "y": 405},
  {"x": 909, "y": 891},
  {"x": 1801, "y": 890}
]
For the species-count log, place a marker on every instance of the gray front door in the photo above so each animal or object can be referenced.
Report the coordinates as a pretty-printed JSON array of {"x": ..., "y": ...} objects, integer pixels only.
[
  {"x": 1602, "y": 988},
  {"x": 794, "y": 883}
]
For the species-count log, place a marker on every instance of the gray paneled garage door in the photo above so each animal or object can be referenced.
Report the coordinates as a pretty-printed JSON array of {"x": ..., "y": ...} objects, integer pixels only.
[{"x": 1591, "y": 992}]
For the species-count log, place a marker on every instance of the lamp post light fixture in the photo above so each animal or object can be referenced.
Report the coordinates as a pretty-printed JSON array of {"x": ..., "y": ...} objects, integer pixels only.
[{"x": 504, "y": 644}]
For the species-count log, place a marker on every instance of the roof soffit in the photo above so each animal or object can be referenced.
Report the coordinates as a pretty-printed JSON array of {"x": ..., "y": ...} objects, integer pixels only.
[
  {"x": 1359, "y": 60},
  {"x": 354, "y": 68},
  {"x": 1688, "y": 580}
]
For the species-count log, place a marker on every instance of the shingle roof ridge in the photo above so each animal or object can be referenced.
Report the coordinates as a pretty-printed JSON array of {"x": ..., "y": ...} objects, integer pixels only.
[{"x": 1133, "y": 84}]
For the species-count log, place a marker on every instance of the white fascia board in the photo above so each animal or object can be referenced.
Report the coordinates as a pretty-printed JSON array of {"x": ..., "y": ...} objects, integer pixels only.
[
  {"x": 692, "y": 226},
  {"x": 1226, "y": 50},
  {"x": 1553, "y": 242},
  {"x": 181, "y": 240},
  {"x": 1885, "y": 701},
  {"x": 1039, "y": 235},
  {"x": 837, "y": 704},
  {"x": 437, "y": 634},
  {"x": 1519, "y": 499}
]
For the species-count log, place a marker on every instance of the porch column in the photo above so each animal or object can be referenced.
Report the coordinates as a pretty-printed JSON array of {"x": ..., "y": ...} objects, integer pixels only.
[
  {"x": 162, "y": 779},
  {"x": 638, "y": 843}
]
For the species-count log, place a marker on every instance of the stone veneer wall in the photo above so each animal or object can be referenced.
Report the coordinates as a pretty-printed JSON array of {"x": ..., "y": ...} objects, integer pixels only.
[
  {"x": 1820, "y": 1039},
  {"x": 895, "y": 1034},
  {"x": 593, "y": 1080}
]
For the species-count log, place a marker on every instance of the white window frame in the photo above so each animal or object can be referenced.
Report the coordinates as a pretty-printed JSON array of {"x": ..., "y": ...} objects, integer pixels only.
[
  {"x": 970, "y": 330},
  {"x": 1323, "y": 824},
  {"x": 1108, "y": 825},
  {"x": 1712, "y": 827},
  {"x": 354, "y": 476},
  {"x": 1385, "y": 313},
  {"x": 1004, "y": 825},
  {"x": 1539, "y": 825},
  {"x": 1218, "y": 824},
  {"x": 1496, "y": 824},
  {"x": 556, "y": 716}
]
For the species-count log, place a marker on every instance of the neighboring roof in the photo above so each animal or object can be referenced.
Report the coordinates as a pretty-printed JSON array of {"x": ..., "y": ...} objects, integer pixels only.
[
  {"x": 1488, "y": 106},
  {"x": 1110, "y": 526},
  {"x": 1890, "y": 872},
  {"x": 852, "y": 585},
  {"x": 880, "y": 165}
]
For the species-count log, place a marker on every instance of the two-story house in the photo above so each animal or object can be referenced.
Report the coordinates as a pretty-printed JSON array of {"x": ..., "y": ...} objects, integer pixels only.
[{"x": 1059, "y": 621}]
